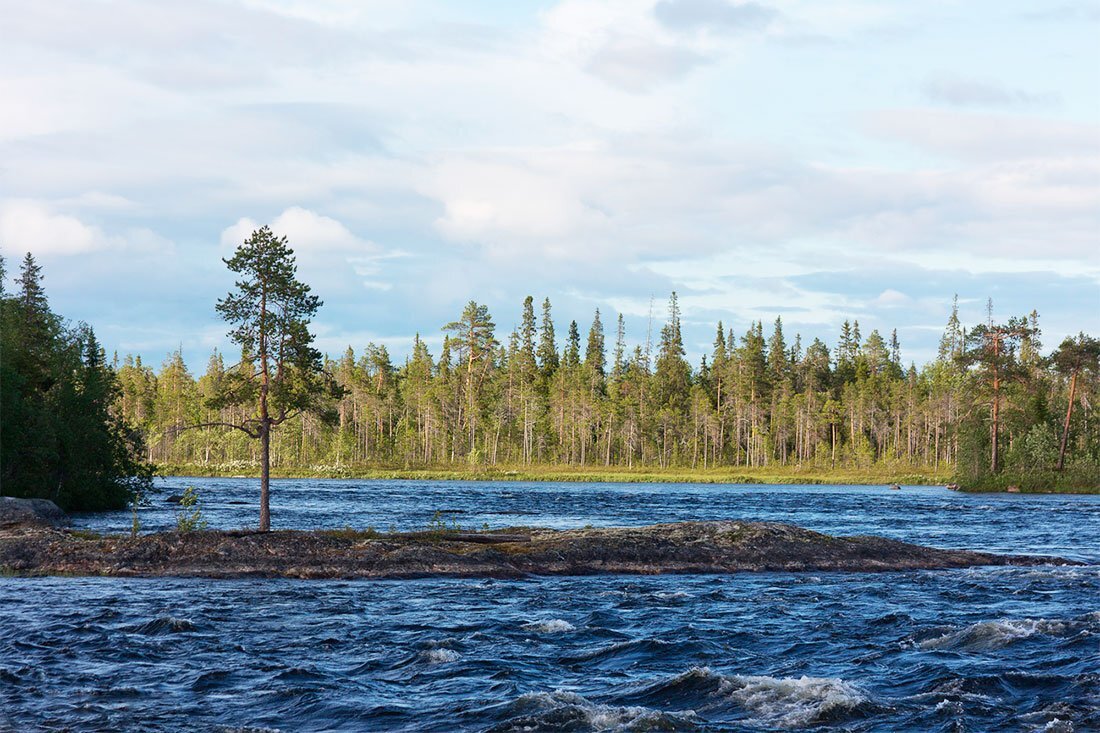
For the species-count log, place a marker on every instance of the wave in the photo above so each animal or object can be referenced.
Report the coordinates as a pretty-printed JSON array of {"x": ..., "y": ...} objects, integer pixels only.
[
  {"x": 622, "y": 653},
  {"x": 790, "y": 702},
  {"x": 164, "y": 625},
  {"x": 563, "y": 710},
  {"x": 440, "y": 655},
  {"x": 1000, "y": 633},
  {"x": 780, "y": 702},
  {"x": 551, "y": 626}
]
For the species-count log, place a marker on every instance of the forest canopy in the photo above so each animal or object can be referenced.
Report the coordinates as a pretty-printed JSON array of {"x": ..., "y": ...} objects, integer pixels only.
[
  {"x": 991, "y": 409},
  {"x": 761, "y": 398},
  {"x": 61, "y": 434}
]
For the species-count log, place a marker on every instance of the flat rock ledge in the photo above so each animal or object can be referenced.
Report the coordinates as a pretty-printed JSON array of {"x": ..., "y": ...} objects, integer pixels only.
[{"x": 686, "y": 547}]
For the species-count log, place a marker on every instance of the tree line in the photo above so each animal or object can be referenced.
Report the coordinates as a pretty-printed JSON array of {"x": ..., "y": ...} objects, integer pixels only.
[
  {"x": 86, "y": 432},
  {"x": 989, "y": 402}
]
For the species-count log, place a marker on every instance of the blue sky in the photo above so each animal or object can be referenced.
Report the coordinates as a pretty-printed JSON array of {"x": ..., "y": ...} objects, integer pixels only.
[{"x": 815, "y": 160}]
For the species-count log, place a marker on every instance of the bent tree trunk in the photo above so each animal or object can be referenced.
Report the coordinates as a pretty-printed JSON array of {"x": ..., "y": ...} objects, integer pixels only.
[{"x": 1065, "y": 426}]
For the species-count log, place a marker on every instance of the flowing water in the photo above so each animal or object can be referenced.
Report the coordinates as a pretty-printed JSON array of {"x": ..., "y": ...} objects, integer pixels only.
[{"x": 977, "y": 649}]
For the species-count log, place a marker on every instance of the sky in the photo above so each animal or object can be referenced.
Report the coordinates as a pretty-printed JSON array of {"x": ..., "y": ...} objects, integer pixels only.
[{"x": 818, "y": 161}]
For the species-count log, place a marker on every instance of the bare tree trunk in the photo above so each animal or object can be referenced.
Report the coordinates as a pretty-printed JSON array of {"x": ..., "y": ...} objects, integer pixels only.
[{"x": 1065, "y": 426}]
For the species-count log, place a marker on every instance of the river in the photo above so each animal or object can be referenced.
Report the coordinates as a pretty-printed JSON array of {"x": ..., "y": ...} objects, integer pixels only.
[{"x": 976, "y": 649}]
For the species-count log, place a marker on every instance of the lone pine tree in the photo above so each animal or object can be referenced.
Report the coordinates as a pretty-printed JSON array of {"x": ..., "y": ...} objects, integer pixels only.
[{"x": 280, "y": 374}]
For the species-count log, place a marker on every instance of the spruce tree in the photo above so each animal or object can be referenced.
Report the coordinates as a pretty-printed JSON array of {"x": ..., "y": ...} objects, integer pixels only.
[
  {"x": 548, "y": 347},
  {"x": 618, "y": 365},
  {"x": 594, "y": 357},
  {"x": 527, "y": 333},
  {"x": 571, "y": 358}
]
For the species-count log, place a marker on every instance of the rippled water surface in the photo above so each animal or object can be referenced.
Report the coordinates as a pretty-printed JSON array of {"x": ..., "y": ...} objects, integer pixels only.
[{"x": 977, "y": 649}]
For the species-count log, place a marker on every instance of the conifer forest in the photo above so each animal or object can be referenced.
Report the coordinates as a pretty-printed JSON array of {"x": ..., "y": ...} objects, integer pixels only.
[
  {"x": 992, "y": 409},
  {"x": 763, "y": 398}
]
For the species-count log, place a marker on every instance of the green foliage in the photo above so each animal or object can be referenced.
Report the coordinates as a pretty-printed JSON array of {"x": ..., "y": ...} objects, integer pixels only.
[
  {"x": 441, "y": 524},
  {"x": 280, "y": 376},
  {"x": 1035, "y": 450},
  {"x": 758, "y": 407},
  {"x": 62, "y": 435},
  {"x": 280, "y": 370},
  {"x": 350, "y": 533},
  {"x": 189, "y": 514}
]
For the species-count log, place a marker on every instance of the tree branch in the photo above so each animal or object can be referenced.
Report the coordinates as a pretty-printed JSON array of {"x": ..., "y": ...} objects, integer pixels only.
[{"x": 246, "y": 431}]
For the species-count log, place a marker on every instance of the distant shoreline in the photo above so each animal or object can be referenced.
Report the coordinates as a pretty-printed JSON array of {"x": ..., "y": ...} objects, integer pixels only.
[{"x": 598, "y": 474}]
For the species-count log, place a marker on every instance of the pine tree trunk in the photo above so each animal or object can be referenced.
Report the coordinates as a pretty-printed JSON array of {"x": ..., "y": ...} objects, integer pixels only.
[
  {"x": 994, "y": 458},
  {"x": 265, "y": 476},
  {"x": 1065, "y": 426}
]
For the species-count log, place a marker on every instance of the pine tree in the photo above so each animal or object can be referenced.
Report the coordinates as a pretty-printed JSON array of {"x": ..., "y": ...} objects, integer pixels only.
[
  {"x": 476, "y": 342},
  {"x": 281, "y": 374},
  {"x": 993, "y": 349},
  {"x": 1073, "y": 357},
  {"x": 875, "y": 353}
]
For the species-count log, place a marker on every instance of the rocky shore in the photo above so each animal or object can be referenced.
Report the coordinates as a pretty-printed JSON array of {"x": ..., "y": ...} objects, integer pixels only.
[{"x": 687, "y": 547}]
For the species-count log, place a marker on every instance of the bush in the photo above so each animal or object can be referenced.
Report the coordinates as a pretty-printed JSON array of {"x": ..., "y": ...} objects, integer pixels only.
[{"x": 189, "y": 515}]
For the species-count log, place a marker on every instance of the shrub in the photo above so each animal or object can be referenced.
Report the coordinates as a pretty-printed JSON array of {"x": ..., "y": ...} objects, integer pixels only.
[{"x": 189, "y": 515}]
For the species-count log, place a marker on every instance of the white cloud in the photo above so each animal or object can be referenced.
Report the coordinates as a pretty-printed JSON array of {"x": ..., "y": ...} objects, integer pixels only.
[
  {"x": 678, "y": 141},
  {"x": 891, "y": 298},
  {"x": 970, "y": 136},
  {"x": 325, "y": 249},
  {"x": 962, "y": 92},
  {"x": 32, "y": 226}
]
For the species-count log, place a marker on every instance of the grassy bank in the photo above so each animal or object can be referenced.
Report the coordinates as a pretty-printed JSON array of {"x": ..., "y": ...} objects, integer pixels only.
[
  {"x": 1071, "y": 481},
  {"x": 596, "y": 474}
]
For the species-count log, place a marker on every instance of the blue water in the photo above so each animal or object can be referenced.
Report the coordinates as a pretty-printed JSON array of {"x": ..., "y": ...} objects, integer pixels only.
[{"x": 977, "y": 649}]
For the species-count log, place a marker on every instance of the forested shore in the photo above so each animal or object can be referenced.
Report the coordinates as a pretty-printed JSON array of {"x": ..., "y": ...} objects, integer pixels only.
[
  {"x": 991, "y": 411},
  {"x": 761, "y": 407}
]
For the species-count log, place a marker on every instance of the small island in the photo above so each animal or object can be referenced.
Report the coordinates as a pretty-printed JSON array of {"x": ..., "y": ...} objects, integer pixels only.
[{"x": 685, "y": 547}]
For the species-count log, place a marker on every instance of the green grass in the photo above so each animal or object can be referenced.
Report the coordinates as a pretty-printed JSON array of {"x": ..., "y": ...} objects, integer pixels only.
[
  {"x": 350, "y": 533},
  {"x": 85, "y": 534},
  {"x": 1082, "y": 480},
  {"x": 589, "y": 474}
]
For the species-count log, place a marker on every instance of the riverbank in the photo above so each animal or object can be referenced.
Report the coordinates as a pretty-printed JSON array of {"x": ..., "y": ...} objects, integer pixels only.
[
  {"x": 1048, "y": 482},
  {"x": 685, "y": 547},
  {"x": 587, "y": 474}
]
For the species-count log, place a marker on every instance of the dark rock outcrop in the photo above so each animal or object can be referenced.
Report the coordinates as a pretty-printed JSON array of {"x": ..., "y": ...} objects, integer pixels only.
[
  {"x": 29, "y": 512},
  {"x": 687, "y": 547}
]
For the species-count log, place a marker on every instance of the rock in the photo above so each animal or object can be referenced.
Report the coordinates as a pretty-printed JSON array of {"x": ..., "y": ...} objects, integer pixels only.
[
  {"x": 684, "y": 547},
  {"x": 175, "y": 499},
  {"x": 29, "y": 512}
]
